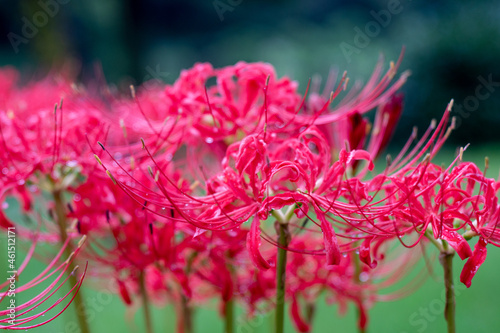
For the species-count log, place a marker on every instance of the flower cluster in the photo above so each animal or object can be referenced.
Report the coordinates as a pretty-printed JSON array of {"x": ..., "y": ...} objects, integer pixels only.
[{"x": 227, "y": 190}]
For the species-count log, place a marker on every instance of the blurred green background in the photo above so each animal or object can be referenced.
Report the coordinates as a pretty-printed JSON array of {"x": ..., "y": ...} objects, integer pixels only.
[{"x": 452, "y": 49}]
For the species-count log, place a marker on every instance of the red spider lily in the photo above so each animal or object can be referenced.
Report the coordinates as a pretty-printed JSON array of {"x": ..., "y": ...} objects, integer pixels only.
[
  {"x": 42, "y": 146},
  {"x": 32, "y": 130},
  {"x": 285, "y": 162},
  {"x": 438, "y": 200},
  {"x": 190, "y": 212},
  {"x": 262, "y": 172},
  {"x": 44, "y": 157}
]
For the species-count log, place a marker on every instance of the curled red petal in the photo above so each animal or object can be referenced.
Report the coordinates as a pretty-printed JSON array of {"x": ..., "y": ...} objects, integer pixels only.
[
  {"x": 458, "y": 243},
  {"x": 300, "y": 324},
  {"x": 124, "y": 292},
  {"x": 360, "y": 155},
  {"x": 362, "y": 318},
  {"x": 24, "y": 197},
  {"x": 253, "y": 245},
  {"x": 4, "y": 221},
  {"x": 364, "y": 253},
  {"x": 474, "y": 262},
  {"x": 355, "y": 155},
  {"x": 332, "y": 248}
]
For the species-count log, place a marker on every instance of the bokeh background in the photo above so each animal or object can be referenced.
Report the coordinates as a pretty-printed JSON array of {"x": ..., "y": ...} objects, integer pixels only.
[{"x": 452, "y": 50}]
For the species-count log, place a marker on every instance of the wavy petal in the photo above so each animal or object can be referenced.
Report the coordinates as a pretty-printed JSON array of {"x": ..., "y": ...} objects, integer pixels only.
[
  {"x": 253, "y": 245},
  {"x": 474, "y": 262}
]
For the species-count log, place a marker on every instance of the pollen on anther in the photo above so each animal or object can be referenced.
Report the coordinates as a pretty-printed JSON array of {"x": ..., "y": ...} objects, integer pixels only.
[
  {"x": 111, "y": 176},
  {"x": 98, "y": 159}
]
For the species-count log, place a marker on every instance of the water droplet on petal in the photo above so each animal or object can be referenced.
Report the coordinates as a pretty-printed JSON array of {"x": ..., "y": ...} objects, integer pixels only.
[
  {"x": 363, "y": 277},
  {"x": 209, "y": 140}
]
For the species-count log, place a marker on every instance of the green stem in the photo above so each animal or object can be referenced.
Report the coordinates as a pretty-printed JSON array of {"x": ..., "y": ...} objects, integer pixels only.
[
  {"x": 145, "y": 304},
  {"x": 229, "y": 306},
  {"x": 187, "y": 315},
  {"x": 229, "y": 316},
  {"x": 446, "y": 259},
  {"x": 63, "y": 225},
  {"x": 431, "y": 238},
  {"x": 281, "y": 276}
]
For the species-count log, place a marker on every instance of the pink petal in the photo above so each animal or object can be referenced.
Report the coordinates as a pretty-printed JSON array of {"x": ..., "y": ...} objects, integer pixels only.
[
  {"x": 355, "y": 155},
  {"x": 364, "y": 253},
  {"x": 300, "y": 324},
  {"x": 124, "y": 292},
  {"x": 253, "y": 245},
  {"x": 4, "y": 221},
  {"x": 458, "y": 243},
  {"x": 331, "y": 245},
  {"x": 362, "y": 318},
  {"x": 360, "y": 155},
  {"x": 474, "y": 262}
]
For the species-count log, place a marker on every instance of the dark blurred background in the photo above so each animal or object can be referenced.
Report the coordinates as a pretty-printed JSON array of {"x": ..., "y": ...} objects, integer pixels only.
[{"x": 452, "y": 46}]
